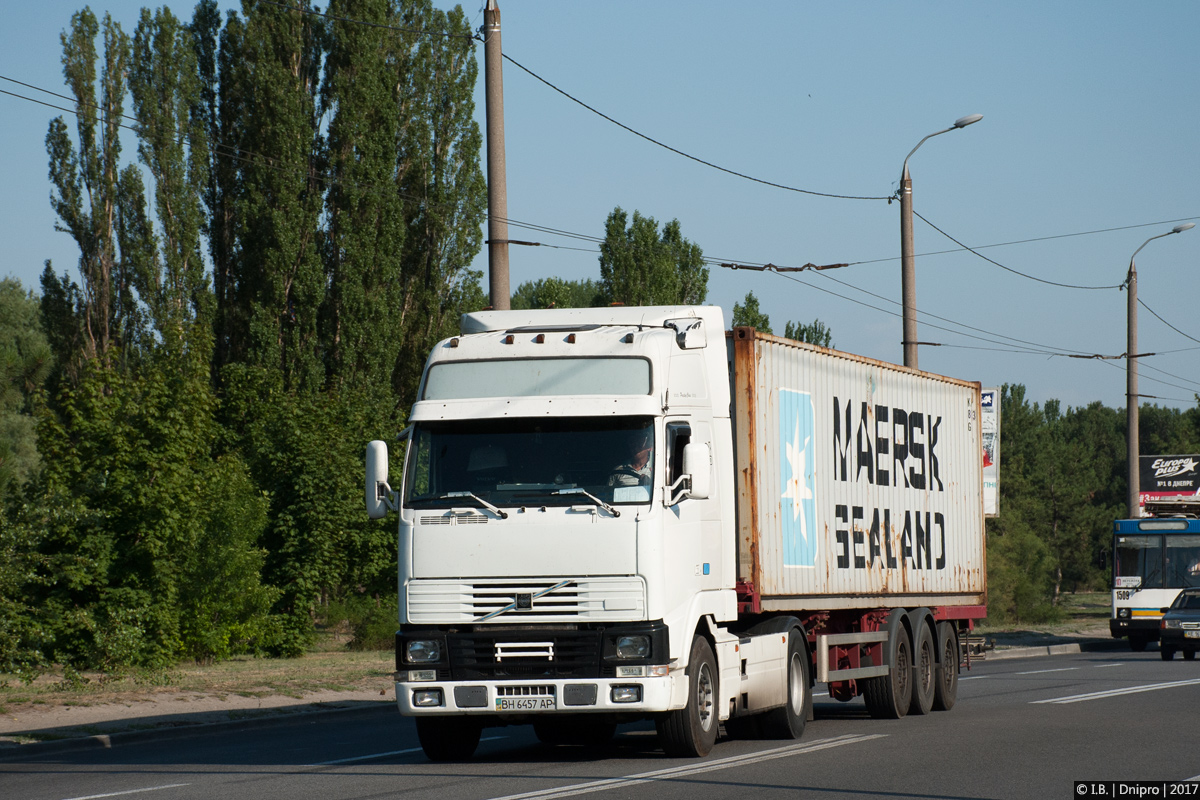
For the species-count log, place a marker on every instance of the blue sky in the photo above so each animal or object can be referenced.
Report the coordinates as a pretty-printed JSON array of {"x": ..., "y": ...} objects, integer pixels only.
[{"x": 1090, "y": 124}]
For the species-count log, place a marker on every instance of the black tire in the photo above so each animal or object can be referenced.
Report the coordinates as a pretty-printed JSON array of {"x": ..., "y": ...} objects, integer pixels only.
[
  {"x": 1167, "y": 653},
  {"x": 889, "y": 696},
  {"x": 945, "y": 690},
  {"x": 788, "y": 722},
  {"x": 448, "y": 738},
  {"x": 1189, "y": 655},
  {"x": 580, "y": 730},
  {"x": 924, "y": 671},
  {"x": 1138, "y": 643},
  {"x": 691, "y": 731}
]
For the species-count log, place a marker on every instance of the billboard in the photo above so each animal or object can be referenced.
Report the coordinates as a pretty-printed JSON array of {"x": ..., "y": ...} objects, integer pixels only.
[
  {"x": 1168, "y": 476},
  {"x": 989, "y": 424}
]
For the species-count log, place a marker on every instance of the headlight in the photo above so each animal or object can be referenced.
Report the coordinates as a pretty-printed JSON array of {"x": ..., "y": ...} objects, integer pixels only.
[
  {"x": 424, "y": 651},
  {"x": 1170, "y": 623},
  {"x": 637, "y": 646},
  {"x": 1123, "y": 613}
]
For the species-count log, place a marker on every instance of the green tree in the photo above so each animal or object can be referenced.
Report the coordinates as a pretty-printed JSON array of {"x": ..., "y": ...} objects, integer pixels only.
[
  {"x": 556, "y": 293},
  {"x": 25, "y": 362},
  {"x": 641, "y": 266},
  {"x": 747, "y": 315},
  {"x": 814, "y": 333}
]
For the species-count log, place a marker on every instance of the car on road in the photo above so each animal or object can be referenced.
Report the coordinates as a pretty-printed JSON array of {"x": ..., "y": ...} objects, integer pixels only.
[{"x": 1179, "y": 630}]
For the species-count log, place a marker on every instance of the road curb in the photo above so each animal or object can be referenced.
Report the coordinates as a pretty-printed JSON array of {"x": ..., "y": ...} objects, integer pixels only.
[
  {"x": 108, "y": 741},
  {"x": 1089, "y": 646}
]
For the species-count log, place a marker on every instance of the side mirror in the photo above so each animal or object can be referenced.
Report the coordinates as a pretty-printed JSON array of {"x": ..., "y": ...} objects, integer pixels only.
[
  {"x": 377, "y": 489},
  {"x": 697, "y": 463}
]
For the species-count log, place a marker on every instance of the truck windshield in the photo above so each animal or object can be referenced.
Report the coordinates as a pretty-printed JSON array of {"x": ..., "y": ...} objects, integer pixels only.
[{"x": 519, "y": 462}]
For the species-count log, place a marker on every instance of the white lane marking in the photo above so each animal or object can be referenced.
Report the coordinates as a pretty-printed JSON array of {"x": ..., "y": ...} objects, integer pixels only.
[
  {"x": 1191, "y": 779},
  {"x": 820, "y": 694},
  {"x": 385, "y": 755},
  {"x": 131, "y": 791},
  {"x": 1106, "y": 666},
  {"x": 1079, "y": 698},
  {"x": 676, "y": 772},
  {"x": 1042, "y": 671},
  {"x": 973, "y": 678}
]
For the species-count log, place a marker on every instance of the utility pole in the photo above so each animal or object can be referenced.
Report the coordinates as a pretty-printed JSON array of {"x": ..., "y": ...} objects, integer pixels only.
[
  {"x": 1132, "y": 398},
  {"x": 908, "y": 270},
  {"x": 497, "y": 188}
]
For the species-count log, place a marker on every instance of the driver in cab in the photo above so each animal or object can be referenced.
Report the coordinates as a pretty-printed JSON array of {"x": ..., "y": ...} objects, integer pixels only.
[{"x": 635, "y": 471}]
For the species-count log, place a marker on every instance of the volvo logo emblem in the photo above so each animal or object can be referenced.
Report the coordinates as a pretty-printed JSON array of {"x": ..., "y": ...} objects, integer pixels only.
[{"x": 524, "y": 601}]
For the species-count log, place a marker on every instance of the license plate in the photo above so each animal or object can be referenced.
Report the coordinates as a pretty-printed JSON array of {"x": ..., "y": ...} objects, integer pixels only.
[
  {"x": 530, "y": 703},
  {"x": 1191, "y": 634}
]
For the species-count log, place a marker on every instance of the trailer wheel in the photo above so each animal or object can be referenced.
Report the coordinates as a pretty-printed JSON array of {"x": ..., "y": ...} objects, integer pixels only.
[
  {"x": 691, "y": 731},
  {"x": 889, "y": 696},
  {"x": 788, "y": 722},
  {"x": 924, "y": 671},
  {"x": 946, "y": 689},
  {"x": 574, "y": 730},
  {"x": 448, "y": 738}
]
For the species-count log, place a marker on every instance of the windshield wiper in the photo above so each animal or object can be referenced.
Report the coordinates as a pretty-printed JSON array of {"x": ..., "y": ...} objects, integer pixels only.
[
  {"x": 501, "y": 513},
  {"x": 606, "y": 506}
]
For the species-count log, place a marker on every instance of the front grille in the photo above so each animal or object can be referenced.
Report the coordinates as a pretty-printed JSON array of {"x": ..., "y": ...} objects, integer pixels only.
[
  {"x": 507, "y": 655},
  {"x": 525, "y": 691},
  {"x": 449, "y": 601}
]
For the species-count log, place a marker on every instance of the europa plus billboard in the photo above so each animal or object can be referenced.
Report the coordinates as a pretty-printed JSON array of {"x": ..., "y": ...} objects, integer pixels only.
[{"x": 1169, "y": 476}]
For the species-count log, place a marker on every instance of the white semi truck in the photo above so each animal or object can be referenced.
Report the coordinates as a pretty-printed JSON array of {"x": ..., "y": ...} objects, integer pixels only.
[{"x": 629, "y": 513}]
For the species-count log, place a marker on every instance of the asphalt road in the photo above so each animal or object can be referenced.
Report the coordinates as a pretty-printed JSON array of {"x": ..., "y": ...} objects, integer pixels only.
[{"x": 1027, "y": 728}]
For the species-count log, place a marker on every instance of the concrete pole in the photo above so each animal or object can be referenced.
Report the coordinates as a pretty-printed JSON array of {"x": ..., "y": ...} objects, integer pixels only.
[
  {"x": 497, "y": 187},
  {"x": 908, "y": 270},
  {"x": 1132, "y": 446}
]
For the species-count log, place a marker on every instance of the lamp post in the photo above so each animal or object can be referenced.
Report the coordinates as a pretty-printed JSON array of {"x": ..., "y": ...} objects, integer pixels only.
[
  {"x": 908, "y": 277},
  {"x": 1131, "y": 379}
]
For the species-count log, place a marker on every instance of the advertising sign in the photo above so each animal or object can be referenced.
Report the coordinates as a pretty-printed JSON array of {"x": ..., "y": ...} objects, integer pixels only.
[
  {"x": 989, "y": 402},
  {"x": 1169, "y": 476}
]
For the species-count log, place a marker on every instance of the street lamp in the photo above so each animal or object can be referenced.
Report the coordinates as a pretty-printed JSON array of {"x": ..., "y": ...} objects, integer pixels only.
[
  {"x": 1131, "y": 379},
  {"x": 908, "y": 277}
]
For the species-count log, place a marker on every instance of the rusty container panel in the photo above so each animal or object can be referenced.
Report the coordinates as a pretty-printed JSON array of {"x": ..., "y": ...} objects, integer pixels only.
[{"x": 859, "y": 482}]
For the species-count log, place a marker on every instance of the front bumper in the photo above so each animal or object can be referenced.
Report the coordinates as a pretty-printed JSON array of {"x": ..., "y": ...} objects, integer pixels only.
[
  {"x": 508, "y": 699},
  {"x": 1143, "y": 627}
]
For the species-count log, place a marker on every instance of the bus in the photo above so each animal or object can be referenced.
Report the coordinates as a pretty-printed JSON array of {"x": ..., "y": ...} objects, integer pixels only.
[{"x": 1153, "y": 558}]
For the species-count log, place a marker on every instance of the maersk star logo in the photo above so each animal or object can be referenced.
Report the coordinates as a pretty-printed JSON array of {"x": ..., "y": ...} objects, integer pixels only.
[{"x": 796, "y": 510}]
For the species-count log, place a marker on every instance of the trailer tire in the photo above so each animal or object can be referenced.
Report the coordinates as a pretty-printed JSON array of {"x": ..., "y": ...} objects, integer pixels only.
[
  {"x": 788, "y": 721},
  {"x": 946, "y": 690},
  {"x": 691, "y": 731},
  {"x": 889, "y": 696},
  {"x": 448, "y": 738},
  {"x": 924, "y": 671},
  {"x": 577, "y": 730}
]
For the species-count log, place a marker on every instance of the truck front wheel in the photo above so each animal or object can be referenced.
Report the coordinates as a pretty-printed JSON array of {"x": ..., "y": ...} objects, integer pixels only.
[
  {"x": 691, "y": 731},
  {"x": 788, "y": 722},
  {"x": 448, "y": 738}
]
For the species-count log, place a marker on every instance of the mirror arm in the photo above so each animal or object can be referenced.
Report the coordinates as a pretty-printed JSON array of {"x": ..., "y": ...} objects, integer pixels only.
[{"x": 672, "y": 498}]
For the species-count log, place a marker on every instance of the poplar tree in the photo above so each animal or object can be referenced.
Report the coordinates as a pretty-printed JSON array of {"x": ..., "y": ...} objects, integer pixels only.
[{"x": 640, "y": 266}]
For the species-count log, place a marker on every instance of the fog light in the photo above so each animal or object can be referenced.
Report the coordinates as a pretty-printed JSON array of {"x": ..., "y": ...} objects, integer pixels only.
[
  {"x": 633, "y": 646},
  {"x": 627, "y": 694},
  {"x": 426, "y": 698},
  {"x": 422, "y": 675}
]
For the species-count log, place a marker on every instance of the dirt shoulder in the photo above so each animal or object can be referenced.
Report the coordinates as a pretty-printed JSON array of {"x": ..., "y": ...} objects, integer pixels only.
[{"x": 62, "y": 705}]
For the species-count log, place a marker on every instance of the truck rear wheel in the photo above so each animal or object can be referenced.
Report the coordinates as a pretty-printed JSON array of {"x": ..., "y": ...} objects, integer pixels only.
[
  {"x": 448, "y": 738},
  {"x": 889, "y": 696},
  {"x": 691, "y": 731},
  {"x": 946, "y": 689},
  {"x": 924, "y": 671},
  {"x": 788, "y": 722}
]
